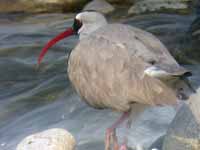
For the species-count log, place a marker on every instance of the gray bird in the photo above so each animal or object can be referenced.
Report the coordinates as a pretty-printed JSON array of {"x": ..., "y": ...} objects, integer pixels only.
[{"x": 123, "y": 68}]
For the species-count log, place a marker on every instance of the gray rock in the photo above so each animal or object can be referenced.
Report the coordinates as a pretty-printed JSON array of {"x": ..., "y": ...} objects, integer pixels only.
[
  {"x": 184, "y": 132},
  {"x": 100, "y": 6},
  {"x": 193, "y": 40},
  {"x": 196, "y": 5},
  {"x": 32, "y": 6},
  {"x": 157, "y": 145},
  {"x": 145, "y": 6},
  {"x": 121, "y": 1},
  {"x": 52, "y": 139}
]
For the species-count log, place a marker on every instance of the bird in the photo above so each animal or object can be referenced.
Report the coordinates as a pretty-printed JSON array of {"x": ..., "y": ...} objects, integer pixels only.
[{"x": 123, "y": 68}]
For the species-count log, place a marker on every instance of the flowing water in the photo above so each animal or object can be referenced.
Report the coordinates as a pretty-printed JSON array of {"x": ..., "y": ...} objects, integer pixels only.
[{"x": 32, "y": 100}]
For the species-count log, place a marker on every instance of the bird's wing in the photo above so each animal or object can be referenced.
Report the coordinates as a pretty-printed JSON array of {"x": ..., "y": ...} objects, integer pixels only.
[
  {"x": 141, "y": 44},
  {"x": 116, "y": 75},
  {"x": 164, "y": 67},
  {"x": 156, "y": 54},
  {"x": 152, "y": 90}
]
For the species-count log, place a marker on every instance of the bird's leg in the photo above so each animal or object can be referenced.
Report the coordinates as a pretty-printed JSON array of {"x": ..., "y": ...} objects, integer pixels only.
[
  {"x": 136, "y": 110},
  {"x": 125, "y": 142},
  {"x": 111, "y": 132},
  {"x": 115, "y": 141}
]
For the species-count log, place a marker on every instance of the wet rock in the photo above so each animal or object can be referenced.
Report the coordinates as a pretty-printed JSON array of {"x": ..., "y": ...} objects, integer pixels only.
[
  {"x": 100, "y": 6},
  {"x": 193, "y": 38},
  {"x": 196, "y": 5},
  {"x": 52, "y": 139},
  {"x": 157, "y": 145},
  {"x": 184, "y": 132},
  {"x": 124, "y": 2},
  {"x": 195, "y": 28},
  {"x": 145, "y": 6},
  {"x": 35, "y": 6}
]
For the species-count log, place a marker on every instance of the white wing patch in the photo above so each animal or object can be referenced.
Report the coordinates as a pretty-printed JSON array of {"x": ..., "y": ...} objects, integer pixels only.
[{"x": 156, "y": 72}]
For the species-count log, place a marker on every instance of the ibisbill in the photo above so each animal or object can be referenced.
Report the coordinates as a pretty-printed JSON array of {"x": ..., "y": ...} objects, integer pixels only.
[{"x": 123, "y": 68}]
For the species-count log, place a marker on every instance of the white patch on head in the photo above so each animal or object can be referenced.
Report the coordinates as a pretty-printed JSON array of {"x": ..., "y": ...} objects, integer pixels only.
[
  {"x": 91, "y": 21},
  {"x": 78, "y": 16}
]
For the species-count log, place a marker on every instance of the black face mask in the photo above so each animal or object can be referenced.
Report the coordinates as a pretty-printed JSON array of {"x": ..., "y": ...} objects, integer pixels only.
[{"x": 77, "y": 25}]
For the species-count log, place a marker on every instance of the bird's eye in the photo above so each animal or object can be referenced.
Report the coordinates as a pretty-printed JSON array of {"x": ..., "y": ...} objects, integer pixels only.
[
  {"x": 77, "y": 25},
  {"x": 152, "y": 62}
]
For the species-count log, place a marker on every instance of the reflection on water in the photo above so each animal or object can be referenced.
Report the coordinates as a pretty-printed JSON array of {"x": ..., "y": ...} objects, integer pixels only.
[{"x": 33, "y": 100}]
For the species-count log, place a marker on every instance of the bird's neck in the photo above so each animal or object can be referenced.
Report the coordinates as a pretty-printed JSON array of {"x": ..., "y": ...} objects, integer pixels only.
[{"x": 87, "y": 29}]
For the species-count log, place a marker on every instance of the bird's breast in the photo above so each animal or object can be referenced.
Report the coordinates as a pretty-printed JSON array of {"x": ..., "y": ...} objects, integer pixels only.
[{"x": 101, "y": 76}]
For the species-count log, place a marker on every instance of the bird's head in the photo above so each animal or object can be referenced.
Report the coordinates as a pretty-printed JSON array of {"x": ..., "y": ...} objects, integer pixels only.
[{"x": 84, "y": 24}]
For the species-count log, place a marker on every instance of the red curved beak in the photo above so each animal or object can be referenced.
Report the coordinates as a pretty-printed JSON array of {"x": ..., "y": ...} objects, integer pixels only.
[{"x": 52, "y": 42}]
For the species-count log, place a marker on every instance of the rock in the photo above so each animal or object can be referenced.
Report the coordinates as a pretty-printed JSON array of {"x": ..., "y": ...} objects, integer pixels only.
[
  {"x": 195, "y": 28},
  {"x": 196, "y": 5},
  {"x": 73, "y": 5},
  {"x": 100, "y": 6},
  {"x": 52, "y": 139},
  {"x": 184, "y": 132},
  {"x": 124, "y": 2},
  {"x": 193, "y": 38},
  {"x": 35, "y": 6},
  {"x": 157, "y": 145},
  {"x": 146, "y": 6}
]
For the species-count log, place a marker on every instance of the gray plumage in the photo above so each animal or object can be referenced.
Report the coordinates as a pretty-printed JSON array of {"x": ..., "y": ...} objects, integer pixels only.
[{"x": 107, "y": 69}]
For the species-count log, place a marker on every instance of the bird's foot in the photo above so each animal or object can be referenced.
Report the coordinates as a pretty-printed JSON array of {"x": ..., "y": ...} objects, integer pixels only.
[
  {"x": 114, "y": 140},
  {"x": 108, "y": 138},
  {"x": 111, "y": 139},
  {"x": 123, "y": 147}
]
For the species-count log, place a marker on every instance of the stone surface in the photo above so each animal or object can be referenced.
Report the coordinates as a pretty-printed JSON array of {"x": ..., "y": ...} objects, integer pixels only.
[
  {"x": 52, "y": 139},
  {"x": 121, "y": 1},
  {"x": 184, "y": 132},
  {"x": 100, "y": 6},
  {"x": 145, "y": 6},
  {"x": 193, "y": 38},
  {"x": 157, "y": 145},
  {"x": 35, "y": 6},
  {"x": 196, "y": 5}
]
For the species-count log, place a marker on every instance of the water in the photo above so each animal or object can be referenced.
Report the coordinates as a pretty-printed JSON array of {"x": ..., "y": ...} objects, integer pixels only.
[{"x": 34, "y": 100}]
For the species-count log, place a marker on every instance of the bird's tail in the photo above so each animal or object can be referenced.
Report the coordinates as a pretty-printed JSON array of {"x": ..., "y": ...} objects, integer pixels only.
[
  {"x": 187, "y": 82},
  {"x": 186, "y": 88}
]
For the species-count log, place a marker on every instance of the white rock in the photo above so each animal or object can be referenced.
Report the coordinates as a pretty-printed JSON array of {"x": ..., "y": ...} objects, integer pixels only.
[
  {"x": 100, "y": 6},
  {"x": 52, "y": 139}
]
